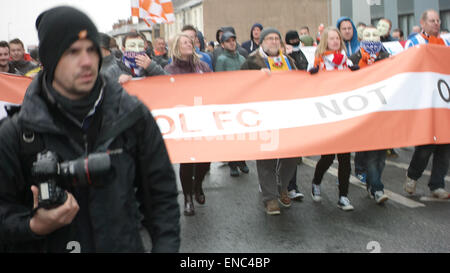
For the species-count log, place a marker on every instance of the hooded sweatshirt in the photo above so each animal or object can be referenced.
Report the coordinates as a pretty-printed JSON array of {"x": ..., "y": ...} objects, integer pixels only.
[
  {"x": 250, "y": 45},
  {"x": 219, "y": 50},
  {"x": 352, "y": 46}
]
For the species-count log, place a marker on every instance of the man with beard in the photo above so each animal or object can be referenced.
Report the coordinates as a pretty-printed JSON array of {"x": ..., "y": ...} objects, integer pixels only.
[
  {"x": 69, "y": 114},
  {"x": 269, "y": 57}
]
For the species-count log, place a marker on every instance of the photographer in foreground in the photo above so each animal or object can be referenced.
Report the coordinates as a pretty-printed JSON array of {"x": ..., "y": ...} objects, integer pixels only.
[{"x": 81, "y": 157}]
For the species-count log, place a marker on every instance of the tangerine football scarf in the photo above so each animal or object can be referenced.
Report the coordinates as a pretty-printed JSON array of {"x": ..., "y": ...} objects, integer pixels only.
[
  {"x": 433, "y": 39},
  {"x": 332, "y": 60}
]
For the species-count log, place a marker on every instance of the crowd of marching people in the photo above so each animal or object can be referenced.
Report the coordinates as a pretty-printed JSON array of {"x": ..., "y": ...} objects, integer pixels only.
[{"x": 345, "y": 46}]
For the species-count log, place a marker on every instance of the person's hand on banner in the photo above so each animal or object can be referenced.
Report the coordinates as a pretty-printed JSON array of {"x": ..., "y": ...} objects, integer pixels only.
[
  {"x": 313, "y": 70},
  {"x": 354, "y": 67}
]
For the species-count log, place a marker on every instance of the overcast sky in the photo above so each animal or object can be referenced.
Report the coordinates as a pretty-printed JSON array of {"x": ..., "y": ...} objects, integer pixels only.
[{"x": 18, "y": 17}]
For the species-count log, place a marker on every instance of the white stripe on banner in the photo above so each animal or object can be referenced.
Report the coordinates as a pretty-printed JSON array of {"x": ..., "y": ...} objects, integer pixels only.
[
  {"x": 2, "y": 108},
  {"x": 406, "y": 91}
]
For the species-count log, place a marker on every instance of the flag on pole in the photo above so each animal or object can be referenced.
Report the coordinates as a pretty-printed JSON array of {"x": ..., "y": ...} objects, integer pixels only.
[{"x": 153, "y": 11}]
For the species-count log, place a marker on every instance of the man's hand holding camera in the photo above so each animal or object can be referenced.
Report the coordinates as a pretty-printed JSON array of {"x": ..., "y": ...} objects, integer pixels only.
[{"x": 45, "y": 221}]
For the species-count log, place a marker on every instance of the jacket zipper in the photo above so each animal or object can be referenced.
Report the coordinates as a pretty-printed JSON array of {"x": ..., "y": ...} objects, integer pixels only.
[{"x": 86, "y": 145}]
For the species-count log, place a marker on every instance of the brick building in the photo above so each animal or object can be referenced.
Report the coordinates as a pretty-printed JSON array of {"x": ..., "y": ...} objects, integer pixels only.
[{"x": 209, "y": 15}]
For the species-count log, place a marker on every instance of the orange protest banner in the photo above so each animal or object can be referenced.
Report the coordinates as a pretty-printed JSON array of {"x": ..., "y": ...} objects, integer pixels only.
[{"x": 245, "y": 115}]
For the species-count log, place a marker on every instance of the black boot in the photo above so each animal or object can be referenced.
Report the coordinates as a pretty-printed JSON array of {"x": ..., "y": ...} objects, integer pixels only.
[
  {"x": 188, "y": 205},
  {"x": 199, "y": 194}
]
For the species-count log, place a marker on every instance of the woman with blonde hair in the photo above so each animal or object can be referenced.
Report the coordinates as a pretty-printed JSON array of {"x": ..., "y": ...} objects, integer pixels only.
[
  {"x": 331, "y": 55},
  {"x": 185, "y": 60}
]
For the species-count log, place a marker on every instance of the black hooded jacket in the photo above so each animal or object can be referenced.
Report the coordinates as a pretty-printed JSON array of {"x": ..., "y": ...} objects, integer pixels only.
[
  {"x": 141, "y": 176},
  {"x": 250, "y": 45}
]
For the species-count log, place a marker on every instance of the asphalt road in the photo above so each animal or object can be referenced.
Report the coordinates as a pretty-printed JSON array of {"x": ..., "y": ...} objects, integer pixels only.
[{"x": 233, "y": 219}]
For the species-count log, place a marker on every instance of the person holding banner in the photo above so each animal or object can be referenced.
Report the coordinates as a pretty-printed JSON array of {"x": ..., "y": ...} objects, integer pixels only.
[
  {"x": 370, "y": 52},
  {"x": 186, "y": 60},
  {"x": 293, "y": 43},
  {"x": 231, "y": 60},
  {"x": 269, "y": 57},
  {"x": 431, "y": 24},
  {"x": 369, "y": 165},
  {"x": 331, "y": 55},
  {"x": 292, "y": 40},
  {"x": 371, "y": 48}
]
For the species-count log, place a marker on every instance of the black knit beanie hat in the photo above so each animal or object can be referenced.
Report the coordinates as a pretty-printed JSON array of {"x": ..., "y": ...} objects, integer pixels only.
[{"x": 58, "y": 28}]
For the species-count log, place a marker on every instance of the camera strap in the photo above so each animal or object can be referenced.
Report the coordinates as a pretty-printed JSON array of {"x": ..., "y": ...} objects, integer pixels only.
[
  {"x": 31, "y": 143},
  {"x": 121, "y": 125}
]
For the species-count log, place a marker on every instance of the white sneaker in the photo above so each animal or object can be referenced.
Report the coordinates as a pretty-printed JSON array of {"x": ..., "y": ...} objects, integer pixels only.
[
  {"x": 440, "y": 193},
  {"x": 315, "y": 193},
  {"x": 380, "y": 197},
  {"x": 344, "y": 204},
  {"x": 294, "y": 195},
  {"x": 410, "y": 185}
]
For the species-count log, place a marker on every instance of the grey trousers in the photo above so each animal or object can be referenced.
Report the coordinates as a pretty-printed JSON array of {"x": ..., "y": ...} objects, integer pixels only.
[{"x": 274, "y": 171}]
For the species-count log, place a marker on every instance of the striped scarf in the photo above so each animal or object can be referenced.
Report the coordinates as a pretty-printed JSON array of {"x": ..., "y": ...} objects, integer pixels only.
[
  {"x": 129, "y": 59},
  {"x": 332, "y": 60},
  {"x": 277, "y": 63}
]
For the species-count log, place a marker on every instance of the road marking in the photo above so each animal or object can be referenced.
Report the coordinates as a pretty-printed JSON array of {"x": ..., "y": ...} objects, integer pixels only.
[
  {"x": 433, "y": 199},
  {"x": 353, "y": 180},
  {"x": 406, "y": 166}
]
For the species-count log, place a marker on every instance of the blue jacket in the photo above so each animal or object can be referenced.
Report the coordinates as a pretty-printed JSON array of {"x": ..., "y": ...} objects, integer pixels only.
[
  {"x": 205, "y": 57},
  {"x": 353, "y": 45}
]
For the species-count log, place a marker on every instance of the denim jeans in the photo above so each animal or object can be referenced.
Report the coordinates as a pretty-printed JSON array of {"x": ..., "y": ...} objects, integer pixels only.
[
  {"x": 374, "y": 164},
  {"x": 441, "y": 159},
  {"x": 360, "y": 163},
  {"x": 293, "y": 182}
]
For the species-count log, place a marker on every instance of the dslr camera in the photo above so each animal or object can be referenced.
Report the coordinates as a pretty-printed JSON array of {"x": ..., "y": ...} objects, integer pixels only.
[{"x": 50, "y": 174}]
